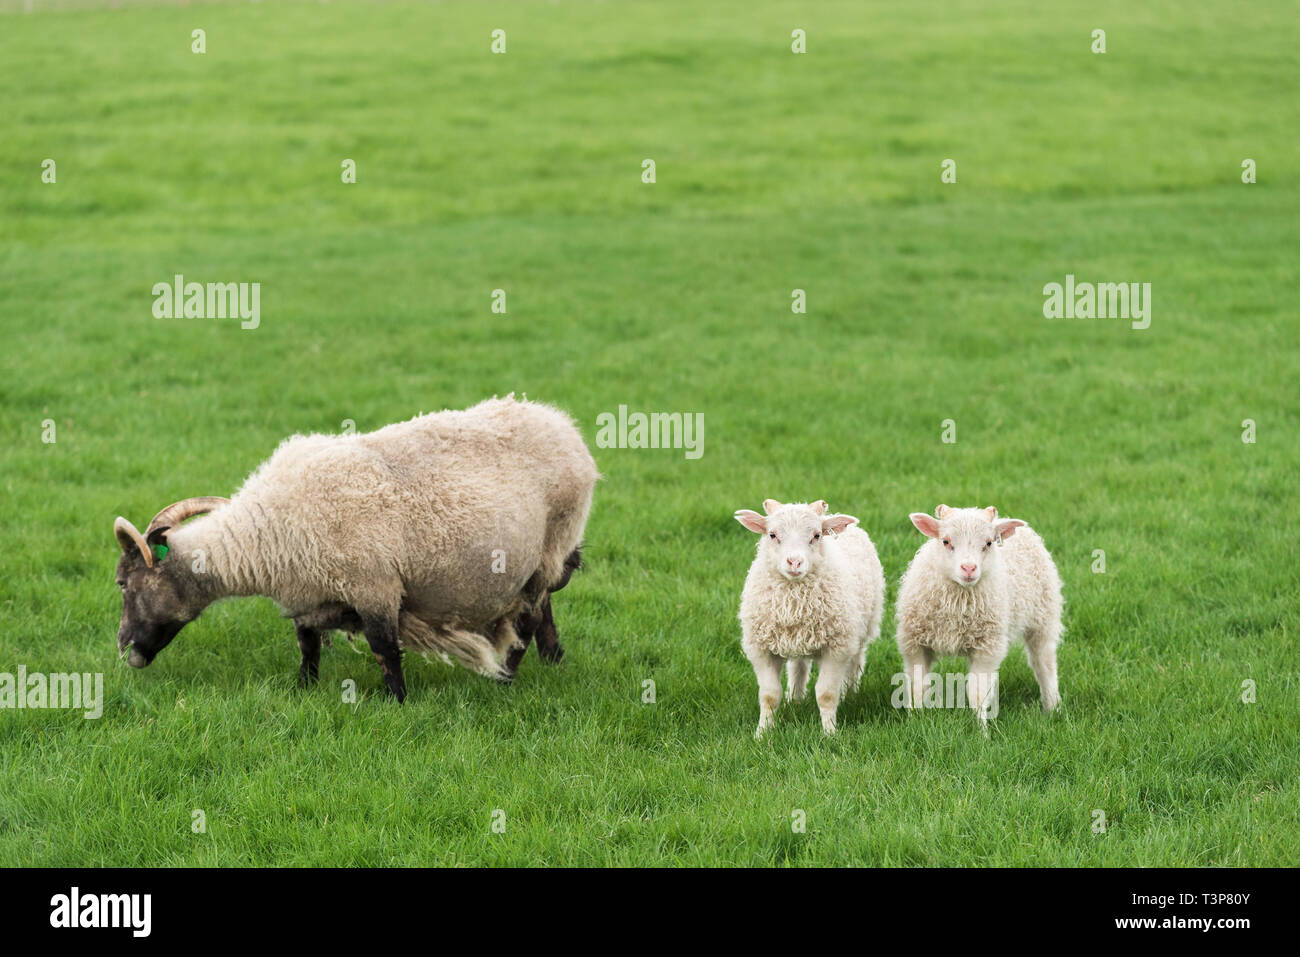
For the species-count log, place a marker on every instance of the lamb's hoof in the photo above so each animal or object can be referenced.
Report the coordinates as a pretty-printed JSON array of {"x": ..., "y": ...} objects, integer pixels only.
[{"x": 551, "y": 654}]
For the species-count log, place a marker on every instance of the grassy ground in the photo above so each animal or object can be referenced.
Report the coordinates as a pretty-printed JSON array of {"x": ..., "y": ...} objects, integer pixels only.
[{"x": 774, "y": 172}]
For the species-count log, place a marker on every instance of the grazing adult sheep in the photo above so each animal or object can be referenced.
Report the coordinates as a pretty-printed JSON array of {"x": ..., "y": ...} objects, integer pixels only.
[
  {"x": 440, "y": 533},
  {"x": 815, "y": 591},
  {"x": 979, "y": 583}
]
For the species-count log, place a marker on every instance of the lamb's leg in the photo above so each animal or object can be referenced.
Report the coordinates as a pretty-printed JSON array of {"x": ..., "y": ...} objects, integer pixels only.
[
  {"x": 832, "y": 675},
  {"x": 916, "y": 666},
  {"x": 859, "y": 666},
  {"x": 767, "y": 668},
  {"x": 309, "y": 645},
  {"x": 381, "y": 634},
  {"x": 796, "y": 678},
  {"x": 982, "y": 687},
  {"x": 1040, "y": 649}
]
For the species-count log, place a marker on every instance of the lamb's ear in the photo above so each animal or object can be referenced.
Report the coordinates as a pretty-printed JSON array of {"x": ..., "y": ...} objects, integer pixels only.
[
  {"x": 992, "y": 513},
  {"x": 752, "y": 520},
  {"x": 819, "y": 506},
  {"x": 837, "y": 523},
  {"x": 1007, "y": 528},
  {"x": 926, "y": 524},
  {"x": 770, "y": 505}
]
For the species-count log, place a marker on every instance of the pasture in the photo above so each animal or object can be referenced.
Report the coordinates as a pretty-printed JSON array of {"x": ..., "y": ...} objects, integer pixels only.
[{"x": 774, "y": 172}]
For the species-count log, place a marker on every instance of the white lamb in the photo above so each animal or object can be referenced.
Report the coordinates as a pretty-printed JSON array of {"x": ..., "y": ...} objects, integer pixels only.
[
  {"x": 815, "y": 591},
  {"x": 976, "y": 586}
]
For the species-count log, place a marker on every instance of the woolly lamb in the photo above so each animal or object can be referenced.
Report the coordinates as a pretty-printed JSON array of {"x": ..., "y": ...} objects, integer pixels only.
[
  {"x": 815, "y": 591},
  {"x": 445, "y": 533},
  {"x": 976, "y": 586}
]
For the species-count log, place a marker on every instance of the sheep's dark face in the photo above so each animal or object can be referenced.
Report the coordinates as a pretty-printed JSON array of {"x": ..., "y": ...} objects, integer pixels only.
[{"x": 154, "y": 608}]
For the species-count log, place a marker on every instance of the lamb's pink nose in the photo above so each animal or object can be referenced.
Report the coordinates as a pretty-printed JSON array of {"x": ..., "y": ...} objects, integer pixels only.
[
  {"x": 968, "y": 570},
  {"x": 794, "y": 562}
]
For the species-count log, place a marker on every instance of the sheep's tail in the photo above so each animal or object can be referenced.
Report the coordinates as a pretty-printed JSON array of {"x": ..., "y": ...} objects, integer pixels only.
[{"x": 471, "y": 649}]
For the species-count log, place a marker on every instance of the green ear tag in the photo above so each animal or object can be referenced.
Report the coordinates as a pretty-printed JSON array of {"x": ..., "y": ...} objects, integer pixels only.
[{"x": 160, "y": 552}]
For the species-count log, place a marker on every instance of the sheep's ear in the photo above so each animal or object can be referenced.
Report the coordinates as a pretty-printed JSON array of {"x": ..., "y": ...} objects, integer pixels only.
[
  {"x": 942, "y": 511},
  {"x": 991, "y": 512},
  {"x": 1007, "y": 528},
  {"x": 752, "y": 520},
  {"x": 819, "y": 506},
  {"x": 837, "y": 523},
  {"x": 926, "y": 524},
  {"x": 770, "y": 505}
]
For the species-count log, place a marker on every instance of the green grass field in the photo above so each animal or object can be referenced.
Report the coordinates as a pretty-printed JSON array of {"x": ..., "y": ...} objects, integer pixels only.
[{"x": 774, "y": 172}]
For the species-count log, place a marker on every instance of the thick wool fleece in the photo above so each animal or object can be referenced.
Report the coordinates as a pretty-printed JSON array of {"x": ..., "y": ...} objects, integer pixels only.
[
  {"x": 835, "y": 611},
  {"x": 445, "y": 517},
  {"x": 1019, "y": 596}
]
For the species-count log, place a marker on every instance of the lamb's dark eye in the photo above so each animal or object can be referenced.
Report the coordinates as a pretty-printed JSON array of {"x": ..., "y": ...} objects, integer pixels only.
[
  {"x": 945, "y": 541},
  {"x": 988, "y": 543},
  {"x": 772, "y": 535},
  {"x": 816, "y": 535}
]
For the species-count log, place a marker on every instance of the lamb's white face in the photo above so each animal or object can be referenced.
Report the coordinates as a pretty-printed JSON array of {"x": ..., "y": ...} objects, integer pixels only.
[
  {"x": 966, "y": 540},
  {"x": 793, "y": 536}
]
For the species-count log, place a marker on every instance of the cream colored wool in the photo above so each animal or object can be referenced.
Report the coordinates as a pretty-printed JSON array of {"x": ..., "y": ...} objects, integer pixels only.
[
  {"x": 1017, "y": 595},
  {"x": 416, "y": 516},
  {"x": 829, "y": 615}
]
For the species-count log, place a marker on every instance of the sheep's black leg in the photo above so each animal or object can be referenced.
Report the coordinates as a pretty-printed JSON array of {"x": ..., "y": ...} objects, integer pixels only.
[
  {"x": 309, "y": 645},
  {"x": 525, "y": 626},
  {"x": 548, "y": 639},
  {"x": 545, "y": 634},
  {"x": 538, "y": 621},
  {"x": 381, "y": 634}
]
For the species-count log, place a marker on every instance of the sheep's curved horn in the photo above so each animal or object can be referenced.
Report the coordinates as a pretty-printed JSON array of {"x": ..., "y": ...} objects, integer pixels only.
[
  {"x": 128, "y": 536},
  {"x": 178, "y": 512}
]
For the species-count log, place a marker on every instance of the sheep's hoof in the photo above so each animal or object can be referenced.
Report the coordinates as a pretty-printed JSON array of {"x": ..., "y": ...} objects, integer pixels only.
[{"x": 551, "y": 654}]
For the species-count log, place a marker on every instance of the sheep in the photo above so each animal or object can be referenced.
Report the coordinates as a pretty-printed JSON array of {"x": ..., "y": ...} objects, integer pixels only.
[
  {"x": 441, "y": 533},
  {"x": 978, "y": 584},
  {"x": 815, "y": 590}
]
